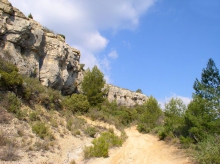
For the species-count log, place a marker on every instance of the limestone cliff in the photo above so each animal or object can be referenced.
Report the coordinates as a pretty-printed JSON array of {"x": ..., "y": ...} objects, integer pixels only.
[
  {"x": 125, "y": 97},
  {"x": 42, "y": 54},
  {"x": 36, "y": 51}
]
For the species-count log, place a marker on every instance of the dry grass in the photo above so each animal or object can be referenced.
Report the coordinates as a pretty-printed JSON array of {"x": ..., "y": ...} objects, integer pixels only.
[{"x": 5, "y": 117}]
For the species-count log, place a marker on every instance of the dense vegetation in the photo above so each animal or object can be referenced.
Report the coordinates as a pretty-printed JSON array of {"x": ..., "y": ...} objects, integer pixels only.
[{"x": 196, "y": 126}]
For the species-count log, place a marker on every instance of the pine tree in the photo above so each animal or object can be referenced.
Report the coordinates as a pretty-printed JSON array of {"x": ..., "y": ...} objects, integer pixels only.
[
  {"x": 30, "y": 16},
  {"x": 139, "y": 91},
  {"x": 92, "y": 86},
  {"x": 209, "y": 87},
  {"x": 203, "y": 114}
]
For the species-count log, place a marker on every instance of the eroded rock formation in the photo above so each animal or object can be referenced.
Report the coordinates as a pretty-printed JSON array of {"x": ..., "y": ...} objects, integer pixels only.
[
  {"x": 125, "y": 97},
  {"x": 36, "y": 51},
  {"x": 40, "y": 53}
]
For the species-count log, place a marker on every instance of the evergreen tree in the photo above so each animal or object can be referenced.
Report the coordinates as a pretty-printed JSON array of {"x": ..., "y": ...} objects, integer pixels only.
[
  {"x": 150, "y": 118},
  {"x": 174, "y": 116},
  {"x": 30, "y": 16},
  {"x": 139, "y": 91},
  {"x": 92, "y": 86},
  {"x": 209, "y": 86},
  {"x": 202, "y": 116}
]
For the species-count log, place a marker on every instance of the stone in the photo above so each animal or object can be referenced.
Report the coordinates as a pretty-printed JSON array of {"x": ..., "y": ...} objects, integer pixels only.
[
  {"x": 125, "y": 97},
  {"x": 36, "y": 53}
]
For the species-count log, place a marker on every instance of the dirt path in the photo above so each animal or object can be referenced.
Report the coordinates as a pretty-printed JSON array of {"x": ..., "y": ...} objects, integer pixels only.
[
  {"x": 137, "y": 149},
  {"x": 143, "y": 149}
]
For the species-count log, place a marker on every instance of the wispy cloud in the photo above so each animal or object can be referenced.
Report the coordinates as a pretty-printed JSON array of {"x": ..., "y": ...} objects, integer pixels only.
[{"x": 113, "y": 54}]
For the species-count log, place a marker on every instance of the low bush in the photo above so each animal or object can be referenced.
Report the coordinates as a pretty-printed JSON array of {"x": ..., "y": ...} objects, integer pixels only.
[
  {"x": 5, "y": 117},
  {"x": 102, "y": 144},
  {"x": 32, "y": 90},
  {"x": 69, "y": 125},
  {"x": 90, "y": 131},
  {"x": 42, "y": 130},
  {"x": 9, "y": 76},
  {"x": 30, "y": 16},
  {"x": 47, "y": 30},
  {"x": 34, "y": 116},
  {"x": 207, "y": 151},
  {"x": 186, "y": 141},
  {"x": 100, "y": 149},
  {"x": 143, "y": 128},
  {"x": 63, "y": 36},
  {"x": 13, "y": 105},
  {"x": 76, "y": 103}
]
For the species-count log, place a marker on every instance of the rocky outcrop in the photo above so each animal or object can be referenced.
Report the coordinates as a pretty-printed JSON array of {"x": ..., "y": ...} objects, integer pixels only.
[
  {"x": 36, "y": 51},
  {"x": 40, "y": 53},
  {"x": 125, "y": 97}
]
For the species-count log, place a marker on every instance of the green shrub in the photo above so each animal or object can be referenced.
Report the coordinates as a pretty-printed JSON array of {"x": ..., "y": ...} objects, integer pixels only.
[
  {"x": 33, "y": 90},
  {"x": 76, "y": 103},
  {"x": 69, "y": 125},
  {"x": 30, "y": 16},
  {"x": 208, "y": 150},
  {"x": 162, "y": 135},
  {"x": 13, "y": 104},
  {"x": 143, "y": 128},
  {"x": 42, "y": 130},
  {"x": 139, "y": 91},
  {"x": 186, "y": 141},
  {"x": 47, "y": 30},
  {"x": 34, "y": 116},
  {"x": 90, "y": 131},
  {"x": 100, "y": 149},
  {"x": 102, "y": 144},
  {"x": 9, "y": 76},
  {"x": 63, "y": 36},
  {"x": 150, "y": 115},
  {"x": 174, "y": 117}
]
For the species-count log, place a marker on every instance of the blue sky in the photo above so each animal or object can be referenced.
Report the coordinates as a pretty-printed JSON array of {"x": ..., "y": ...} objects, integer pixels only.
[{"x": 158, "y": 46}]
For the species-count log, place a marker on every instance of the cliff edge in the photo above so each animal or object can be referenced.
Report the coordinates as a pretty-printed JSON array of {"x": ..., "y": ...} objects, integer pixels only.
[
  {"x": 36, "y": 51},
  {"x": 40, "y": 53}
]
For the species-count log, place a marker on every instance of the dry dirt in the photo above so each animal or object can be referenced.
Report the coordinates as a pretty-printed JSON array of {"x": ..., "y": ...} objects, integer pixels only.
[
  {"x": 137, "y": 149},
  {"x": 143, "y": 149}
]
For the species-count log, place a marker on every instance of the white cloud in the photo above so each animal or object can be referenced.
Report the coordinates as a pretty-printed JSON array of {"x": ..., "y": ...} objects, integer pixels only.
[
  {"x": 82, "y": 21},
  {"x": 105, "y": 63},
  {"x": 88, "y": 58},
  {"x": 186, "y": 100},
  {"x": 113, "y": 54}
]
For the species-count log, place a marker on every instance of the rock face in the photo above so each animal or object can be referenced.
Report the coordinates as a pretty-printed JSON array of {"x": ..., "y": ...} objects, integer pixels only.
[
  {"x": 36, "y": 51},
  {"x": 125, "y": 97},
  {"x": 39, "y": 53}
]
